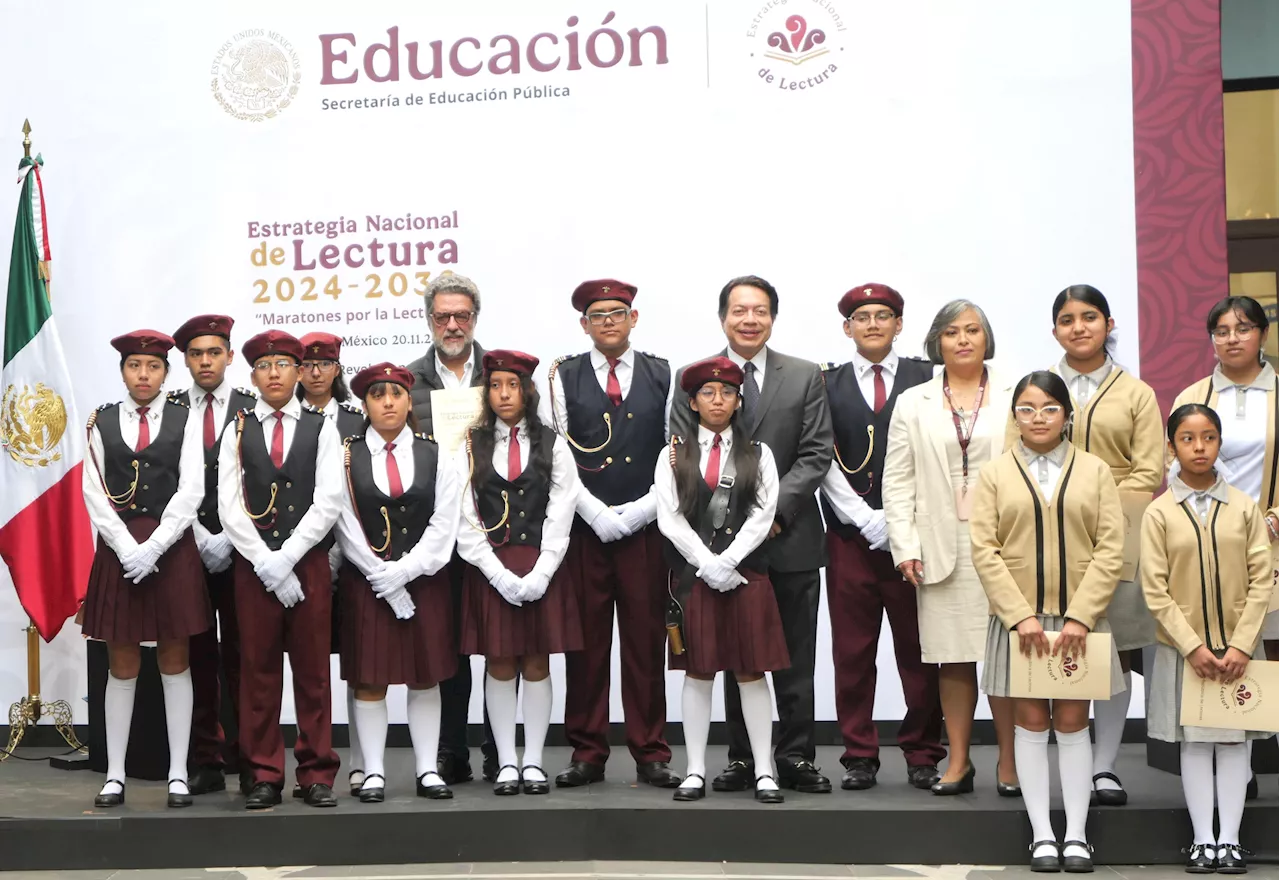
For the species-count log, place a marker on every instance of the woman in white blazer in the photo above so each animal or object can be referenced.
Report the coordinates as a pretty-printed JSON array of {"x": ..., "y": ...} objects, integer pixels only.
[{"x": 941, "y": 435}]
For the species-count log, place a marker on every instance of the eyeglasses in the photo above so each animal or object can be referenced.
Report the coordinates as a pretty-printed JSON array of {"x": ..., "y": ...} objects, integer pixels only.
[
  {"x": 617, "y": 316},
  {"x": 1242, "y": 331},
  {"x": 1029, "y": 413},
  {"x": 709, "y": 394},
  {"x": 462, "y": 319},
  {"x": 864, "y": 318},
  {"x": 265, "y": 367},
  {"x": 319, "y": 365}
]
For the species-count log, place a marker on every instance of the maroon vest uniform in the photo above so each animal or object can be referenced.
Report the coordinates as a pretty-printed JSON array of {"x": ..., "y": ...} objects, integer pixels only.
[
  {"x": 527, "y": 497},
  {"x": 739, "y": 510},
  {"x": 410, "y": 513},
  {"x": 295, "y": 483},
  {"x": 207, "y": 513},
  {"x": 157, "y": 473}
]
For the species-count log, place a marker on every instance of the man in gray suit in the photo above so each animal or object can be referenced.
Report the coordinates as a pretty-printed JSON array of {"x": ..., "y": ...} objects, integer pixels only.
[
  {"x": 784, "y": 407},
  {"x": 452, "y": 361}
]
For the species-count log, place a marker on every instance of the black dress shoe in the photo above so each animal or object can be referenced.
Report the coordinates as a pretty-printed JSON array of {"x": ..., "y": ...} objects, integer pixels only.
[
  {"x": 1045, "y": 864},
  {"x": 180, "y": 799},
  {"x": 689, "y": 793},
  {"x": 581, "y": 773},
  {"x": 263, "y": 796},
  {"x": 320, "y": 795},
  {"x": 453, "y": 770},
  {"x": 206, "y": 780},
  {"x": 1008, "y": 789},
  {"x": 534, "y": 786},
  {"x": 963, "y": 785},
  {"x": 1202, "y": 858},
  {"x": 506, "y": 789},
  {"x": 803, "y": 776},
  {"x": 110, "y": 799},
  {"x": 434, "y": 792},
  {"x": 657, "y": 774},
  {"x": 771, "y": 795},
  {"x": 736, "y": 777},
  {"x": 1251, "y": 790},
  {"x": 1075, "y": 863},
  {"x": 922, "y": 776},
  {"x": 1108, "y": 797},
  {"x": 1231, "y": 859},
  {"x": 489, "y": 769},
  {"x": 370, "y": 794},
  {"x": 859, "y": 774},
  {"x": 246, "y": 782},
  {"x": 355, "y": 784}
]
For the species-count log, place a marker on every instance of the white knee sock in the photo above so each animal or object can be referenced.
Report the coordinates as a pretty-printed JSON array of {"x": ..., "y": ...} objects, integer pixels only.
[
  {"x": 695, "y": 708},
  {"x": 117, "y": 706},
  {"x": 357, "y": 754},
  {"x": 537, "y": 718},
  {"x": 370, "y": 719},
  {"x": 1031, "y": 754},
  {"x": 500, "y": 699},
  {"x": 1108, "y": 729},
  {"x": 1075, "y": 757},
  {"x": 179, "y": 700},
  {"x": 1232, "y": 779},
  {"x": 757, "y": 717},
  {"x": 423, "y": 709},
  {"x": 1197, "y": 788}
]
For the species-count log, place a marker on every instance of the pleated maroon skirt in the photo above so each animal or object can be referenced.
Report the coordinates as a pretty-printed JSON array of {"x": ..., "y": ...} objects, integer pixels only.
[
  {"x": 378, "y": 649},
  {"x": 738, "y": 631},
  {"x": 494, "y": 627},
  {"x": 172, "y": 603}
]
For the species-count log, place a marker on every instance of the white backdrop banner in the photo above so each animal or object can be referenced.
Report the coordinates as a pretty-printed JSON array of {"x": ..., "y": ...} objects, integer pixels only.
[{"x": 312, "y": 166}]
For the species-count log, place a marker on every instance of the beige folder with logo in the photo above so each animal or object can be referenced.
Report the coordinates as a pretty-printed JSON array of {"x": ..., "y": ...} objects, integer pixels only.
[
  {"x": 452, "y": 412},
  {"x": 1057, "y": 677},
  {"x": 1248, "y": 703},
  {"x": 1134, "y": 505}
]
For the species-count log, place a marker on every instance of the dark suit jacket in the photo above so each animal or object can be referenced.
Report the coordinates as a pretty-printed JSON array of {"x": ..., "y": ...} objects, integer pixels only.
[
  {"x": 794, "y": 422},
  {"x": 426, "y": 380}
]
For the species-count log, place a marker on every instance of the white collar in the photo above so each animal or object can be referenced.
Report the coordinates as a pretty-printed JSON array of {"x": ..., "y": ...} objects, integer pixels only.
[
  {"x": 1181, "y": 491},
  {"x": 600, "y": 361},
  {"x": 1056, "y": 456},
  {"x": 706, "y": 437},
  {"x": 1097, "y": 377},
  {"x": 376, "y": 444},
  {"x": 132, "y": 406},
  {"x": 862, "y": 366},
  {"x": 468, "y": 369},
  {"x": 1264, "y": 381},
  {"x": 501, "y": 431},
  {"x": 264, "y": 410},
  {"x": 759, "y": 360},
  {"x": 221, "y": 394}
]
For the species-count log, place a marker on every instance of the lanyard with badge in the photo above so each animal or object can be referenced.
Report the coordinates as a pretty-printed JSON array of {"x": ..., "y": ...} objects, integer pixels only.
[{"x": 964, "y": 501}]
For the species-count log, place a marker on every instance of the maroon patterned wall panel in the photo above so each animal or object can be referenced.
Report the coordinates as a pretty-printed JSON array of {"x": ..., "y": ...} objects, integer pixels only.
[{"x": 1180, "y": 187}]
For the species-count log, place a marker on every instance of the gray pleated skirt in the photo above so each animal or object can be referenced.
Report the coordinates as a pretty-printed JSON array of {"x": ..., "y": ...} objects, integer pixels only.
[
  {"x": 1132, "y": 625},
  {"x": 995, "y": 670},
  {"x": 1164, "y": 704}
]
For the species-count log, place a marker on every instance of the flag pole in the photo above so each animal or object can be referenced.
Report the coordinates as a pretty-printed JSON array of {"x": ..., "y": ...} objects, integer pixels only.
[{"x": 27, "y": 712}]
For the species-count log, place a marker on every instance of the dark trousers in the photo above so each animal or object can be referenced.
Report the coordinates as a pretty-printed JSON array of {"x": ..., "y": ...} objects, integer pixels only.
[
  {"x": 863, "y": 586},
  {"x": 455, "y": 693},
  {"x": 632, "y": 574},
  {"x": 267, "y": 630},
  {"x": 797, "y": 593},
  {"x": 211, "y": 659}
]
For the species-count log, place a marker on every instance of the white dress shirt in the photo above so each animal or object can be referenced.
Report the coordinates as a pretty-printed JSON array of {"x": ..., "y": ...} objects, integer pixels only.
[
  {"x": 554, "y": 413},
  {"x": 850, "y": 507},
  {"x": 677, "y": 529},
  {"x": 1045, "y": 467},
  {"x": 326, "y": 502},
  {"x": 221, "y": 399},
  {"x": 1084, "y": 385},
  {"x": 474, "y": 546},
  {"x": 1243, "y": 410},
  {"x": 758, "y": 360},
  {"x": 449, "y": 379},
  {"x": 434, "y": 549},
  {"x": 179, "y": 512},
  {"x": 864, "y": 370}
]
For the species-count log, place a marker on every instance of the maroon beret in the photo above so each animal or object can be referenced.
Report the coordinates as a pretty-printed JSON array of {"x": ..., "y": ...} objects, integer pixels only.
[
  {"x": 606, "y": 288},
  {"x": 269, "y": 343},
  {"x": 869, "y": 294},
  {"x": 716, "y": 369},
  {"x": 203, "y": 325},
  {"x": 509, "y": 361},
  {"x": 383, "y": 372},
  {"x": 143, "y": 342},
  {"x": 321, "y": 346}
]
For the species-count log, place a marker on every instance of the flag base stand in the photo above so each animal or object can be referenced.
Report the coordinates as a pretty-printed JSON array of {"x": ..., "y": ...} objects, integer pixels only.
[{"x": 28, "y": 711}]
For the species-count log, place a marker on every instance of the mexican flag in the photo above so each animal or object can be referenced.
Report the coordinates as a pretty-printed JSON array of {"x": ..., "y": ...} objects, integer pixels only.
[{"x": 45, "y": 537}]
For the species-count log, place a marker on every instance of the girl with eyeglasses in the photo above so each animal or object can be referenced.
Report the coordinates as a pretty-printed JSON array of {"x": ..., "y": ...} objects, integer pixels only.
[
  {"x": 1117, "y": 418},
  {"x": 1048, "y": 543}
]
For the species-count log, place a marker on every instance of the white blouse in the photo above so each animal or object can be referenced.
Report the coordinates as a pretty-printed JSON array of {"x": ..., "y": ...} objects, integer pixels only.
[{"x": 1243, "y": 410}]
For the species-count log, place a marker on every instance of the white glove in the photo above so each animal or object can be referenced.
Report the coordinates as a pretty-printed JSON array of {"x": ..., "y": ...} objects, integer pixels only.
[
  {"x": 219, "y": 549},
  {"x": 509, "y": 587},
  {"x": 533, "y": 586},
  {"x": 608, "y": 526},
  {"x": 391, "y": 577},
  {"x": 634, "y": 516},
  {"x": 720, "y": 576},
  {"x": 273, "y": 569},
  {"x": 401, "y": 603},
  {"x": 876, "y": 530},
  {"x": 335, "y": 562},
  {"x": 142, "y": 562},
  {"x": 290, "y": 591}
]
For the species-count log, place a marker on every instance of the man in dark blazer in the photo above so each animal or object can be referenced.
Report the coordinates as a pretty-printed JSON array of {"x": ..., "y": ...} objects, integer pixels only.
[
  {"x": 452, "y": 361},
  {"x": 784, "y": 407}
]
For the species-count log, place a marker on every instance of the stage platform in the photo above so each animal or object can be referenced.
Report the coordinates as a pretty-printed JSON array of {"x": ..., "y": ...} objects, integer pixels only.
[{"x": 47, "y": 822}]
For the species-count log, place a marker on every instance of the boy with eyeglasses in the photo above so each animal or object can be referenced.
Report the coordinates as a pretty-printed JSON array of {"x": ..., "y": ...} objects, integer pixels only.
[
  {"x": 279, "y": 494},
  {"x": 611, "y": 406},
  {"x": 862, "y": 584}
]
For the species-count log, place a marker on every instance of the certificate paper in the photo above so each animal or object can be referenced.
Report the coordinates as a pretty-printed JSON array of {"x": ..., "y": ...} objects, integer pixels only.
[
  {"x": 1249, "y": 703},
  {"x": 1051, "y": 677},
  {"x": 1134, "y": 505},
  {"x": 452, "y": 411}
]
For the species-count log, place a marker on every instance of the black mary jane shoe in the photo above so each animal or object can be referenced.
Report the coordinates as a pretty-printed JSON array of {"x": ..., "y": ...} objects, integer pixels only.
[
  {"x": 658, "y": 774},
  {"x": 769, "y": 795},
  {"x": 373, "y": 794},
  {"x": 579, "y": 773},
  {"x": 1231, "y": 859},
  {"x": 1050, "y": 864},
  {"x": 736, "y": 777},
  {"x": 111, "y": 799},
  {"x": 1077, "y": 864},
  {"x": 178, "y": 799},
  {"x": 206, "y": 780},
  {"x": 860, "y": 774},
  {"x": 922, "y": 776},
  {"x": 440, "y": 792},
  {"x": 534, "y": 786},
  {"x": 262, "y": 796},
  {"x": 354, "y": 785},
  {"x": 963, "y": 785},
  {"x": 506, "y": 789},
  {"x": 688, "y": 793},
  {"x": 319, "y": 795},
  {"x": 1108, "y": 797},
  {"x": 1202, "y": 858}
]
